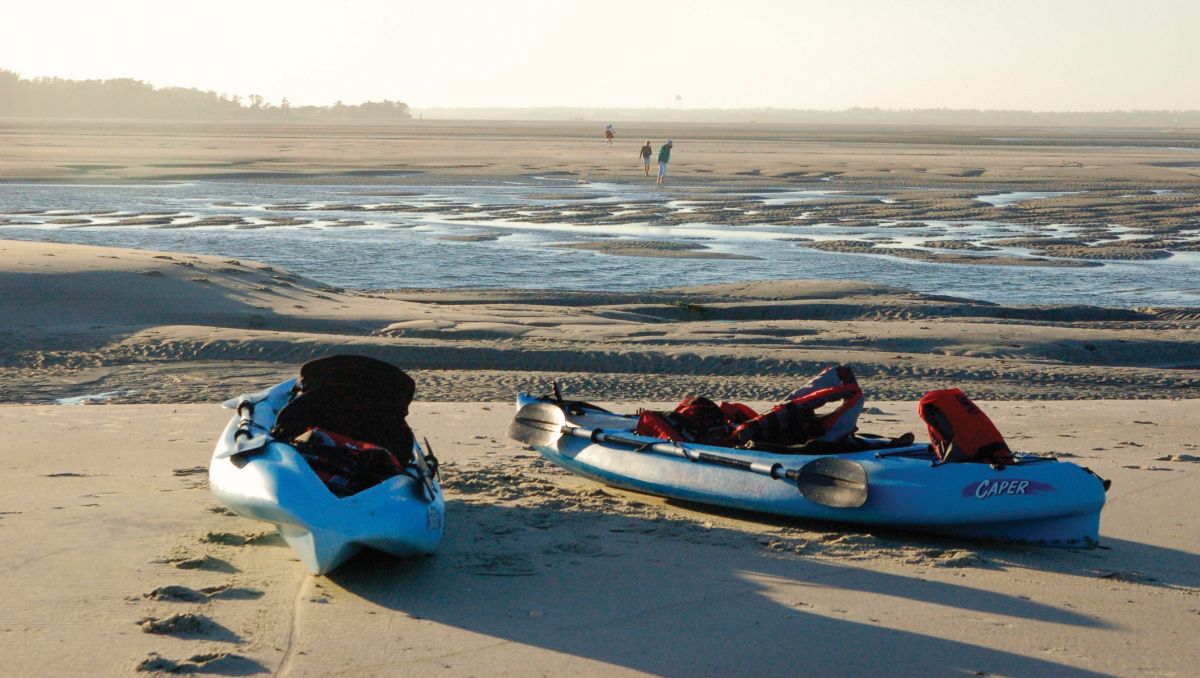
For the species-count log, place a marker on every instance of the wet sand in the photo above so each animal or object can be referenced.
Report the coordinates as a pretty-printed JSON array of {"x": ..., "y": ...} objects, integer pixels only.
[
  {"x": 1126, "y": 194},
  {"x": 152, "y": 327},
  {"x": 1051, "y": 159},
  {"x": 653, "y": 248}
]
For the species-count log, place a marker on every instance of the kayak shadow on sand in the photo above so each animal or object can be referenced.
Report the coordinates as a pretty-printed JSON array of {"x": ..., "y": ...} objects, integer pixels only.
[
  {"x": 1120, "y": 561},
  {"x": 1116, "y": 560},
  {"x": 681, "y": 598}
]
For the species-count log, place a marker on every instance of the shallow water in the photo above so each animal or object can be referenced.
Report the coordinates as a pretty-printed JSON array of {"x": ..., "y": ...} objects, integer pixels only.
[
  {"x": 1006, "y": 199},
  {"x": 405, "y": 249},
  {"x": 91, "y": 398}
]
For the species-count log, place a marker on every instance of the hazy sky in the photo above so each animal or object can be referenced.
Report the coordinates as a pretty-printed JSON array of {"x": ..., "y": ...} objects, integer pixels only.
[{"x": 828, "y": 54}]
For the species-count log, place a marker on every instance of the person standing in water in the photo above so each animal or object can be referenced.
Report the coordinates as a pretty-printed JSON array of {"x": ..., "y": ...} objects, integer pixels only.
[
  {"x": 664, "y": 157},
  {"x": 647, "y": 153},
  {"x": 609, "y": 133}
]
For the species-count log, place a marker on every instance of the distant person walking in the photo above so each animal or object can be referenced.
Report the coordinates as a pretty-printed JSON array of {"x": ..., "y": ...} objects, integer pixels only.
[
  {"x": 609, "y": 133},
  {"x": 664, "y": 157},
  {"x": 647, "y": 153}
]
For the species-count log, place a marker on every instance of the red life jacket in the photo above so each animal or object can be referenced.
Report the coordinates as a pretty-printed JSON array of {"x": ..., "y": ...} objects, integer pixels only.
[
  {"x": 960, "y": 431},
  {"x": 346, "y": 466},
  {"x": 794, "y": 422}
]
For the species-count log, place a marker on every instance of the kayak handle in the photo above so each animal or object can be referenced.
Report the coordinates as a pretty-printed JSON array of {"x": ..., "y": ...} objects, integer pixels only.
[{"x": 245, "y": 410}]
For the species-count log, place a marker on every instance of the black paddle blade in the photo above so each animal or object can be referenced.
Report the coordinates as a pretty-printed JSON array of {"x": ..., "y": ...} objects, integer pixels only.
[
  {"x": 830, "y": 481},
  {"x": 537, "y": 424}
]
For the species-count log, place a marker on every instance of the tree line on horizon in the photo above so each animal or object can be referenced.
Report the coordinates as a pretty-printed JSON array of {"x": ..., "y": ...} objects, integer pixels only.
[
  {"x": 129, "y": 98},
  {"x": 134, "y": 99}
]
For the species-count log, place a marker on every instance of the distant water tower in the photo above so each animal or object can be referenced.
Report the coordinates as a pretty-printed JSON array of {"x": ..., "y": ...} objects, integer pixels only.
[{"x": 678, "y": 102}]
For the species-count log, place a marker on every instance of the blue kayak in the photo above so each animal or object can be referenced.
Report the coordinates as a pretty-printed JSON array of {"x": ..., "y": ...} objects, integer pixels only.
[
  {"x": 1036, "y": 500},
  {"x": 403, "y": 515}
]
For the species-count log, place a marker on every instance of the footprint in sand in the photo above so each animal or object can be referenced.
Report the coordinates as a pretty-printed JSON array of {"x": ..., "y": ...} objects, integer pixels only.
[
  {"x": 576, "y": 549},
  {"x": 1179, "y": 457},
  {"x": 178, "y": 594},
  {"x": 188, "y": 625},
  {"x": 786, "y": 545},
  {"x": 232, "y": 593},
  {"x": 233, "y": 539},
  {"x": 218, "y": 663},
  {"x": 500, "y": 565},
  {"x": 635, "y": 529},
  {"x": 959, "y": 558},
  {"x": 183, "y": 594},
  {"x": 207, "y": 563}
]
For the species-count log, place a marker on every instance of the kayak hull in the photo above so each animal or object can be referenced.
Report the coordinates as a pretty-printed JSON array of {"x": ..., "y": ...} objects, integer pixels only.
[
  {"x": 1037, "y": 501},
  {"x": 275, "y": 484}
]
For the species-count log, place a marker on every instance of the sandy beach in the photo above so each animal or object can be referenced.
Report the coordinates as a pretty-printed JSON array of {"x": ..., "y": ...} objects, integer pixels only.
[
  {"x": 109, "y": 531},
  {"x": 544, "y": 573}
]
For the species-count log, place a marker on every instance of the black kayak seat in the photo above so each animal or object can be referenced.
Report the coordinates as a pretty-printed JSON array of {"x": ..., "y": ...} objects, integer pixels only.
[
  {"x": 390, "y": 382},
  {"x": 355, "y": 396}
]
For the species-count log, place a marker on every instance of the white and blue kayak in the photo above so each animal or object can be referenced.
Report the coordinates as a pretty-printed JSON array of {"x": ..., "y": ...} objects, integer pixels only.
[
  {"x": 1036, "y": 500},
  {"x": 259, "y": 477}
]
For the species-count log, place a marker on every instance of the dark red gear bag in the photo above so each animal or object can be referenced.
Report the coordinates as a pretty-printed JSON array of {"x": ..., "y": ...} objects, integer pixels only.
[
  {"x": 696, "y": 420},
  {"x": 796, "y": 422}
]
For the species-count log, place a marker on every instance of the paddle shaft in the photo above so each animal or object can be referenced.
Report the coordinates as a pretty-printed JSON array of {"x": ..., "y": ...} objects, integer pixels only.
[{"x": 773, "y": 470}]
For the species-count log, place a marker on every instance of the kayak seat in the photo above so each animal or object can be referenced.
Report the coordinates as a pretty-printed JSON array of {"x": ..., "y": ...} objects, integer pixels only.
[
  {"x": 385, "y": 380},
  {"x": 356, "y": 411}
]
